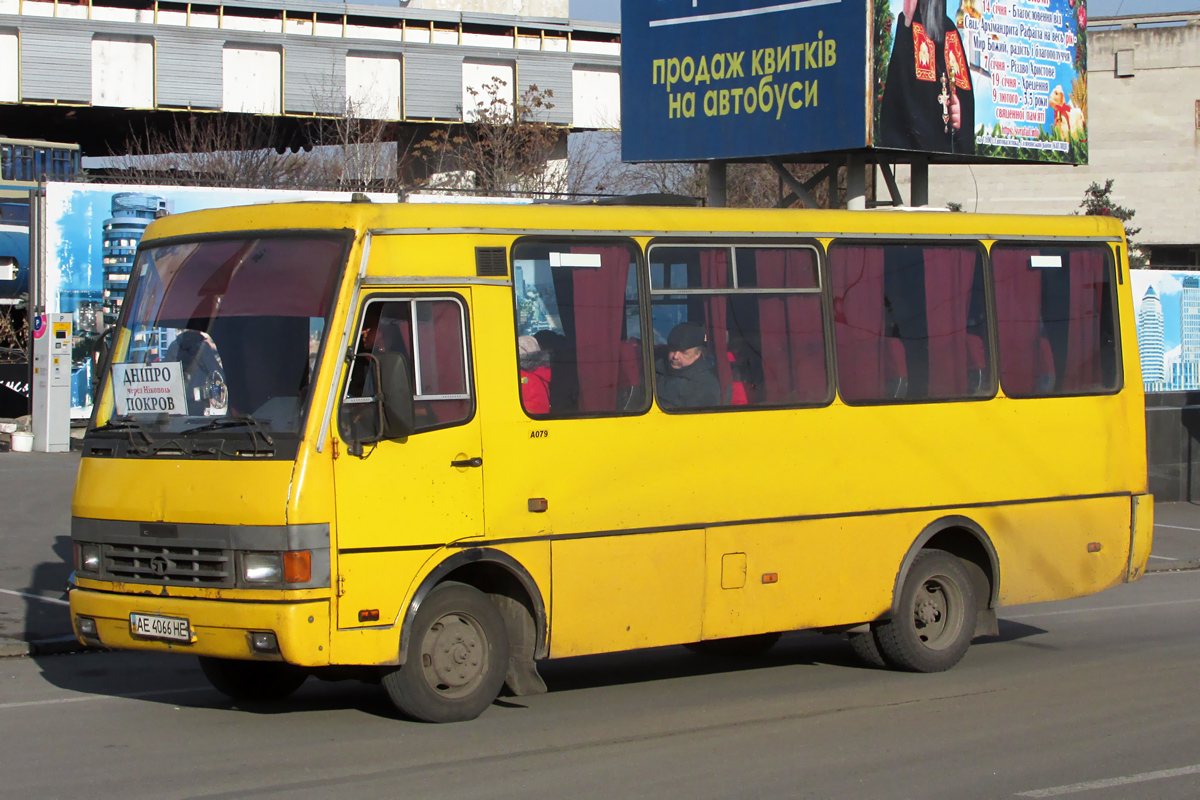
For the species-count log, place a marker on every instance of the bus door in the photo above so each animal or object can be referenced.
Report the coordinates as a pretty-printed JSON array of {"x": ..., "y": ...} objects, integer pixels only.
[{"x": 399, "y": 501}]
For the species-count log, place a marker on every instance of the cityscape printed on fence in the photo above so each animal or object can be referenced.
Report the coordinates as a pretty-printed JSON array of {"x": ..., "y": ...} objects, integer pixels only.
[{"x": 1167, "y": 304}]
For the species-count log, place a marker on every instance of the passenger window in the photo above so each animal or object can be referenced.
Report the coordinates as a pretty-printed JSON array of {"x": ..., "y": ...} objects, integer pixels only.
[
  {"x": 441, "y": 392},
  {"x": 1057, "y": 326},
  {"x": 910, "y": 322},
  {"x": 579, "y": 341},
  {"x": 737, "y": 326}
]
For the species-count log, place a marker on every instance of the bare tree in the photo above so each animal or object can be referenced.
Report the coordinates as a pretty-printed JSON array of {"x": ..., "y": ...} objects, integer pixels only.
[
  {"x": 506, "y": 148},
  {"x": 14, "y": 333},
  {"x": 350, "y": 152}
]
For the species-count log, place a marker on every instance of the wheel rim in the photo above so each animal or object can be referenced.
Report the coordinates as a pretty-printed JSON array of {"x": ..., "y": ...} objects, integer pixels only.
[
  {"x": 454, "y": 655},
  {"x": 937, "y": 612}
]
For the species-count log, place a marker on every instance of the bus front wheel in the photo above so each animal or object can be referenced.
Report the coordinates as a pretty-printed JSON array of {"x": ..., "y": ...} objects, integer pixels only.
[
  {"x": 260, "y": 681},
  {"x": 457, "y": 657},
  {"x": 935, "y": 617}
]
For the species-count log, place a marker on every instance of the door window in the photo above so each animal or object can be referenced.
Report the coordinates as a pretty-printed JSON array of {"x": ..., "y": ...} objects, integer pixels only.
[{"x": 430, "y": 333}]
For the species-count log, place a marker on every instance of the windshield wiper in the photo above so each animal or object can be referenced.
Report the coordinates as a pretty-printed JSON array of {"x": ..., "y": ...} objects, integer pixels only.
[
  {"x": 242, "y": 420},
  {"x": 130, "y": 426}
]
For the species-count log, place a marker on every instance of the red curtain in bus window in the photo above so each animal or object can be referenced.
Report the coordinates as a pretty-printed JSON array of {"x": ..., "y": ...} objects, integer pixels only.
[
  {"x": 442, "y": 360},
  {"x": 793, "y": 342},
  {"x": 1019, "y": 319},
  {"x": 858, "y": 320},
  {"x": 949, "y": 275},
  {"x": 714, "y": 274},
  {"x": 599, "y": 324},
  {"x": 1081, "y": 373}
]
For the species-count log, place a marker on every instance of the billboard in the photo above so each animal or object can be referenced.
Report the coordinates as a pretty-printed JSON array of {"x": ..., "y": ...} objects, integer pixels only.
[
  {"x": 704, "y": 79},
  {"x": 1167, "y": 304},
  {"x": 984, "y": 78},
  {"x": 87, "y": 240},
  {"x": 965, "y": 80}
]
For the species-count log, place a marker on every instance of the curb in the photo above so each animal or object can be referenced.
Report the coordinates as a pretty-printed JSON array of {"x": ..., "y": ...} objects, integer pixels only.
[
  {"x": 1176, "y": 566},
  {"x": 56, "y": 646}
]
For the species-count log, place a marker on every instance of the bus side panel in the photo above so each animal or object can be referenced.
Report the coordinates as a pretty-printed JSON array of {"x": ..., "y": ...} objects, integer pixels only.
[
  {"x": 375, "y": 582},
  {"x": 624, "y": 592},
  {"x": 803, "y": 574},
  {"x": 1057, "y": 550}
]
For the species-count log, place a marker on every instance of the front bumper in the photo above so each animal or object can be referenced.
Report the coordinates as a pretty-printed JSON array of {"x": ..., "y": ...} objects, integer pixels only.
[{"x": 220, "y": 628}]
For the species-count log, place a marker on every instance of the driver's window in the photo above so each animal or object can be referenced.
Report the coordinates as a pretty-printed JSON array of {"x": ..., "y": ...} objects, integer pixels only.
[{"x": 434, "y": 349}]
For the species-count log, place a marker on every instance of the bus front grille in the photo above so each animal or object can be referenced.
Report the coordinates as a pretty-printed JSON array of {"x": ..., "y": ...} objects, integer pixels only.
[{"x": 188, "y": 566}]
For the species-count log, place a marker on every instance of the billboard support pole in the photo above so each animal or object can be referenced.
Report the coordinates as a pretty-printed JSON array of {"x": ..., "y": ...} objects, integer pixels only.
[
  {"x": 800, "y": 190},
  {"x": 889, "y": 177},
  {"x": 716, "y": 184},
  {"x": 920, "y": 182},
  {"x": 856, "y": 182}
]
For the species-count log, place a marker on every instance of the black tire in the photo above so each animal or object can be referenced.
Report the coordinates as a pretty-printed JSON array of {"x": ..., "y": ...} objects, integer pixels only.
[
  {"x": 935, "y": 619},
  {"x": 866, "y": 647},
  {"x": 257, "y": 681},
  {"x": 736, "y": 646},
  {"x": 457, "y": 657}
]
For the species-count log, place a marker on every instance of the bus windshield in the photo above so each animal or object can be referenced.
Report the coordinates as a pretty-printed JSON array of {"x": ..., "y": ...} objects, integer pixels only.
[{"x": 223, "y": 335}]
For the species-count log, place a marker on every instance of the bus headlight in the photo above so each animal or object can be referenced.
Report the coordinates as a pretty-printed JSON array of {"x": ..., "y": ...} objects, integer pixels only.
[
  {"x": 262, "y": 568},
  {"x": 89, "y": 558}
]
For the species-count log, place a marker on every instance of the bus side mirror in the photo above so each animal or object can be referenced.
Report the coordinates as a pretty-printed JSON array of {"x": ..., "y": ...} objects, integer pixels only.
[{"x": 385, "y": 410}]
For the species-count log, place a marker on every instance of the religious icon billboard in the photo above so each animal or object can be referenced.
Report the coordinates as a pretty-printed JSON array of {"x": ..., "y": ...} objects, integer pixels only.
[
  {"x": 990, "y": 78},
  {"x": 963, "y": 80}
]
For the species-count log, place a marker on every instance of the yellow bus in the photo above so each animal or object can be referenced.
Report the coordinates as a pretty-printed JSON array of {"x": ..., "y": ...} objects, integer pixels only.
[{"x": 433, "y": 445}]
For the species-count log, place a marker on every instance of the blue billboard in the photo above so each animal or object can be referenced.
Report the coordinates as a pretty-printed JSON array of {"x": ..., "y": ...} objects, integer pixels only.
[{"x": 725, "y": 79}]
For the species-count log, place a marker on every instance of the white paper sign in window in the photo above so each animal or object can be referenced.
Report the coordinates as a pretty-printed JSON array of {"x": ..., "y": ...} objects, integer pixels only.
[
  {"x": 149, "y": 388},
  {"x": 575, "y": 259}
]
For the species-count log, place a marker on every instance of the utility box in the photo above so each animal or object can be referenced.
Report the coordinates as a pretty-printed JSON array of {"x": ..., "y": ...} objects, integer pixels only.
[{"x": 51, "y": 395}]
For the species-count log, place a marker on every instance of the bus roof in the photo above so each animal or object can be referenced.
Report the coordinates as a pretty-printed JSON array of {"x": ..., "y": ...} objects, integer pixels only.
[{"x": 640, "y": 221}]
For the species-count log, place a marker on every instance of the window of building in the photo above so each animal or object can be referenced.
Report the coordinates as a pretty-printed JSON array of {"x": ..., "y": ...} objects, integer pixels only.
[
  {"x": 431, "y": 335},
  {"x": 1056, "y": 321},
  {"x": 579, "y": 327},
  {"x": 759, "y": 311},
  {"x": 910, "y": 322}
]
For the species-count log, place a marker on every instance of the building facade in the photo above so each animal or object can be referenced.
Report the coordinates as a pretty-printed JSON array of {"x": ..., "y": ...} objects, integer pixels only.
[
  {"x": 417, "y": 62},
  {"x": 1150, "y": 341},
  {"x": 132, "y": 212}
]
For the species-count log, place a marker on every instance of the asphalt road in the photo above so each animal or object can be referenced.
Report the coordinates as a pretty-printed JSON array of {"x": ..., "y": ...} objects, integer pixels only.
[{"x": 1095, "y": 695}]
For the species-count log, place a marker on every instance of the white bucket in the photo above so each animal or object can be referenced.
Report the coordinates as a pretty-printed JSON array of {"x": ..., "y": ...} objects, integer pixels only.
[{"x": 22, "y": 442}]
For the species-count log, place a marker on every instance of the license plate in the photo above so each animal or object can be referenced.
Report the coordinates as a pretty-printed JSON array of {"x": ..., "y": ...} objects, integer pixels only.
[{"x": 154, "y": 627}]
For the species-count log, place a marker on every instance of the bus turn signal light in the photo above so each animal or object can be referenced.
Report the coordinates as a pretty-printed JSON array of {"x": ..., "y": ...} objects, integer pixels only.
[
  {"x": 368, "y": 615},
  {"x": 770, "y": 577},
  {"x": 1093, "y": 547},
  {"x": 297, "y": 566}
]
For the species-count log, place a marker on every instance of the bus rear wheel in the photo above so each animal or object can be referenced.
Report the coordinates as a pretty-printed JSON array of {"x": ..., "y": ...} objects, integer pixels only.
[
  {"x": 261, "y": 681},
  {"x": 866, "y": 647},
  {"x": 457, "y": 657},
  {"x": 935, "y": 617}
]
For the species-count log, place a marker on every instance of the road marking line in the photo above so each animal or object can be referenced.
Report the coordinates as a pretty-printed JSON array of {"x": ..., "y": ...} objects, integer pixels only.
[
  {"x": 1164, "y": 558},
  {"x": 54, "y": 600},
  {"x": 1087, "y": 786},
  {"x": 1104, "y": 608},
  {"x": 1175, "y": 527},
  {"x": 84, "y": 698}
]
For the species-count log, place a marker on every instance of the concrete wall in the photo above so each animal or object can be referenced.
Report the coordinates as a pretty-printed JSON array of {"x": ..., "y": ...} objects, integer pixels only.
[
  {"x": 1142, "y": 133},
  {"x": 529, "y": 8}
]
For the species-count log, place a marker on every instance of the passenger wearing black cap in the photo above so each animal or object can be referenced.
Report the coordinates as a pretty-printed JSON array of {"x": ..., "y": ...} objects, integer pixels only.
[{"x": 685, "y": 376}]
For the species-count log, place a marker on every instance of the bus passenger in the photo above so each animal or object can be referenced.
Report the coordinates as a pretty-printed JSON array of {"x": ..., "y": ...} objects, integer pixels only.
[
  {"x": 685, "y": 376},
  {"x": 534, "y": 363}
]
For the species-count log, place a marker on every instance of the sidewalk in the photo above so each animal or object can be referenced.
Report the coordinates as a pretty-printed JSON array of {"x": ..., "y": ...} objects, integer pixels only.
[{"x": 35, "y": 549}]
